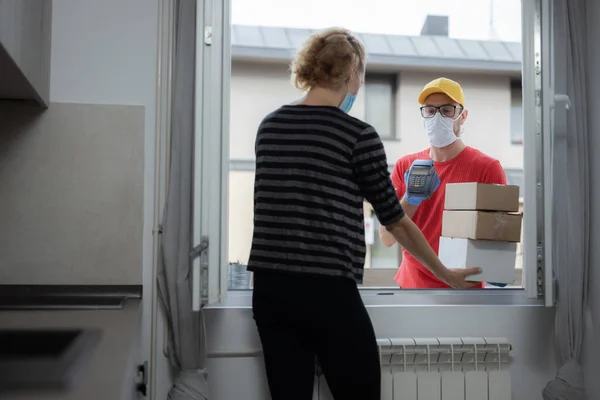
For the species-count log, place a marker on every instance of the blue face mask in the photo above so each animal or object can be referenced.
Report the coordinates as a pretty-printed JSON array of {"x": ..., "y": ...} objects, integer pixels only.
[{"x": 348, "y": 102}]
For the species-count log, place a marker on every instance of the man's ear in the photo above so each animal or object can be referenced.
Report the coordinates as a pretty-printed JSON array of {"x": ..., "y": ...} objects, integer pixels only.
[{"x": 464, "y": 115}]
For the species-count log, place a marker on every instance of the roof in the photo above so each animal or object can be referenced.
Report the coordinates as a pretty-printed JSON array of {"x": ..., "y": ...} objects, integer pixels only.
[{"x": 396, "y": 51}]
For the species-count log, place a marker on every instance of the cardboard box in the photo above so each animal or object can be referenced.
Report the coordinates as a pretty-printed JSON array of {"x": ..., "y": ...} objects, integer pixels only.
[
  {"x": 482, "y": 225},
  {"x": 496, "y": 259},
  {"x": 482, "y": 197}
]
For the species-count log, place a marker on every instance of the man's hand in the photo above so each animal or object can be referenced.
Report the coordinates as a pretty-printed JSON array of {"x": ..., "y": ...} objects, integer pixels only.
[
  {"x": 457, "y": 278},
  {"x": 416, "y": 201}
]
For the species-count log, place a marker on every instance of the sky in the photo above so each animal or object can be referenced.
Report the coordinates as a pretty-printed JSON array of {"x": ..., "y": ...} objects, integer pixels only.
[{"x": 468, "y": 19}]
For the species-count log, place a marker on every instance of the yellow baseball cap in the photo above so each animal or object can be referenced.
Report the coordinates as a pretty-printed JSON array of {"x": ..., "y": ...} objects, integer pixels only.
[{"x": 443, "y": 85}]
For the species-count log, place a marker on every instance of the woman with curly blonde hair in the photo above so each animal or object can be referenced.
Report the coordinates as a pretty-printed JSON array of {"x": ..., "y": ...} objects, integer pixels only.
[{"x": 315, "y": 165}]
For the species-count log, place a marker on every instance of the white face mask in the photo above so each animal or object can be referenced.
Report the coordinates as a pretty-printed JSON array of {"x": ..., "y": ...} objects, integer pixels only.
[{"x": 440, "y": 130}]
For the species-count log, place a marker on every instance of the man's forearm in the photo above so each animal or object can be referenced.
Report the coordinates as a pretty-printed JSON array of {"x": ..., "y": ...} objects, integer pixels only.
[{"x": 411, "y": 238}]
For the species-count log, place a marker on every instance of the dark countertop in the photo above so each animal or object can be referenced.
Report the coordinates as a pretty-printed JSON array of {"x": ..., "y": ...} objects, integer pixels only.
[{"x": 110, "y": 371}]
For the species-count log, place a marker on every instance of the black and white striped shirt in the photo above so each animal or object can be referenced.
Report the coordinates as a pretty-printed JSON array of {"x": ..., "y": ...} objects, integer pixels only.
[{"x": 315, "y": 165}]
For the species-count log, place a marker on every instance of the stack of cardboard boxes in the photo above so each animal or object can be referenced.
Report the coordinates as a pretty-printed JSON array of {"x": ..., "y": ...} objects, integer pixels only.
[{"x": 481, "y": 227}]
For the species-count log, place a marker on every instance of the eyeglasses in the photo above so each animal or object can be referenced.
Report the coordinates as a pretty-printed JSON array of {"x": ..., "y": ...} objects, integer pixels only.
[{"x": 446, "y": 110}]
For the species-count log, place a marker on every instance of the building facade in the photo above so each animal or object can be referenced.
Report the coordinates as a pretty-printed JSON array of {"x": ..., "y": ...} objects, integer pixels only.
[{"x": 260, "y": 82}]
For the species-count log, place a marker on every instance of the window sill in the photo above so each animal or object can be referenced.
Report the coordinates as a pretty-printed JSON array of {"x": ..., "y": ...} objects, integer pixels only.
[
  {"x": 373, "y": 297},
  {"x": 376, "y": 298}
]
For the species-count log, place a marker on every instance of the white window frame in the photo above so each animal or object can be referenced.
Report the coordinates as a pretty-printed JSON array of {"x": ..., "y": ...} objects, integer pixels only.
[
  {"x": 213, "y": 71},
  {"x": 545, "y": 131},
  {"x": 211, "y": 151}
]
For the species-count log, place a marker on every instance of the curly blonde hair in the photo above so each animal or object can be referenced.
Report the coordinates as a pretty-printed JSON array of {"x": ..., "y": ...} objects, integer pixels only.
[{"x": 328, "y": 59}]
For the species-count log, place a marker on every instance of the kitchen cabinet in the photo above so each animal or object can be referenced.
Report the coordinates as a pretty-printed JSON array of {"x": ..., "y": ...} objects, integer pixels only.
[
  {"x": 25, "y": 42},
  {"x": 111, "y": 372}
]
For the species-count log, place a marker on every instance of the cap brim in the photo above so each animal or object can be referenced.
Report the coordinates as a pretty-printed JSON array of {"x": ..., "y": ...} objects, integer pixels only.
[{"x": 431, "y": 90}]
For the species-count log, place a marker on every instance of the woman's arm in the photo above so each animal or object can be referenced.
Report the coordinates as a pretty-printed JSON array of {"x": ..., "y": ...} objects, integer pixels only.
[
  {"x": 397, "y": 177},
  {"x": 386, "y": 238}
]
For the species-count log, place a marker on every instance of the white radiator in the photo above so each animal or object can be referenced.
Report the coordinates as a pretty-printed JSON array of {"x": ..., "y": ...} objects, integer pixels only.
[{"x": 442, "y": 369}]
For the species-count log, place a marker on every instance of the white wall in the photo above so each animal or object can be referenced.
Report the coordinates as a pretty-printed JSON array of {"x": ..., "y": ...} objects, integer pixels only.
[
  {"x": 528, "y": 328},
  {"x": 72, "y": 179},
  {"x": 591, "y": 349},
  {"x": 105, "y": 52}
]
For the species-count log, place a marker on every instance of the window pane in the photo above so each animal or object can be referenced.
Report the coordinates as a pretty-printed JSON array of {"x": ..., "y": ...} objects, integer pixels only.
[
  {"x": 485, "y": 60},
  {"x": 380, "y": 105},
  {"x": 241, "y": 213}
]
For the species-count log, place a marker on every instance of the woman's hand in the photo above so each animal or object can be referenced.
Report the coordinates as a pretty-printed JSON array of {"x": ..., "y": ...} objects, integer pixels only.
[{"x": 457, "y": 278}]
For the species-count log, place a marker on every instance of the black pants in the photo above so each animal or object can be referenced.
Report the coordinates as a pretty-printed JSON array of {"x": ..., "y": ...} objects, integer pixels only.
[{"x": 302, "y": 317}]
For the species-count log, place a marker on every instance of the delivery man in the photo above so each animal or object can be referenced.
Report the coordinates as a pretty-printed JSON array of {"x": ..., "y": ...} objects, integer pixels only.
[{"x": 444, "y": 115}]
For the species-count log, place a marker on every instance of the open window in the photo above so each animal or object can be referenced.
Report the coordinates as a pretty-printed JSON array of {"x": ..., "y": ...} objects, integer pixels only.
[
  {"x": 242, "y": 74},
  {"x": 211, "y": 153}
]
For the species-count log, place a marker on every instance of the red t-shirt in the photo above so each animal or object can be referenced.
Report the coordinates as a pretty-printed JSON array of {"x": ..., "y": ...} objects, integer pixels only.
[{"x": 470, "y": 165}]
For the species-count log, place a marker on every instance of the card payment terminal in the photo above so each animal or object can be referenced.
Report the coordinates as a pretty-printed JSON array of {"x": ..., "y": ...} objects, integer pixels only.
[{"x": 421, "y": 180}]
